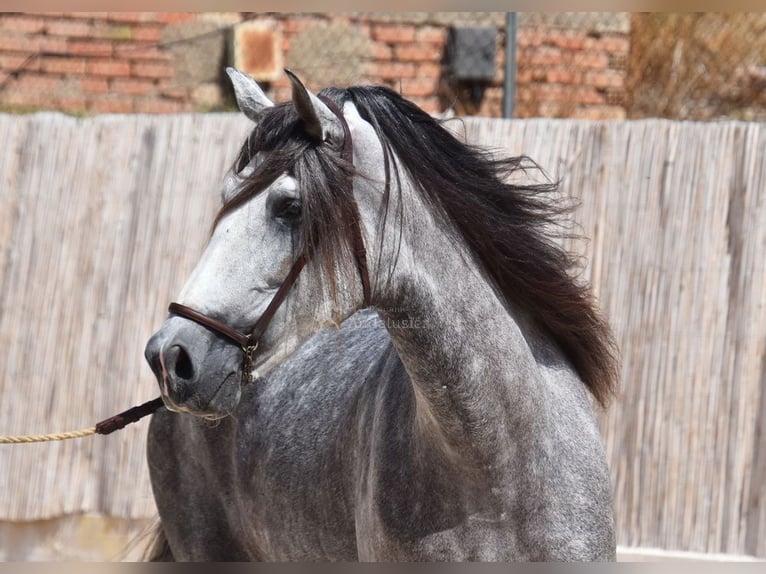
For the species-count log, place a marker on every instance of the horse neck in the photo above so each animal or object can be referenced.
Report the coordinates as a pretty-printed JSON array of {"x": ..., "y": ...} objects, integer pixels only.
[{"x": 474, "y": 363}]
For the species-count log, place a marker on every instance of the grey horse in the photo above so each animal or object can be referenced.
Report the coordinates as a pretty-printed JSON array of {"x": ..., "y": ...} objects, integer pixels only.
[{"x": 449, "y": 421}]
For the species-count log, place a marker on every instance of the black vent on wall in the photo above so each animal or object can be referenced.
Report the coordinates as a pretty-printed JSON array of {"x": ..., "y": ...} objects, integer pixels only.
[{"x": 471, "y": 53}]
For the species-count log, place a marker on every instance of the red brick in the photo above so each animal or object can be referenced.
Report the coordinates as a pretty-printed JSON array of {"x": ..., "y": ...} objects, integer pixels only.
[
  {"x": 282, "y": 82},
  {"x": 566, "y": 40},
  {"x": 54, "y": 45},
  {"x": 524, "y": 75},
  {"x": 90, "y": 48},
  {"x": 35, "y": 81},
  {"x": 132, "y": 86},
  {"x": 394, "y": 70},
  {"x": 524, "y": 53},
  {"x": 86, "y": 15},
  {"x": 526, "y": 94},
  {"x": 138, "y": 52},
  {"x": 109, "y": 68},
  {"x": 69, "y": 28},
  {"x": 418, "y": 87},
  {"x": 539, "y": 74},
  {"x": 19, "y": 43},
  {"x": 393, "y": 33},
  {"x": 549, "y": 109},
  {"x": 618, "y": 61},
  {"x": 530, "y": 37},
  {"x": 279, "y": 94},
  {"x": 429, "y": 70},
  {"x": 71, "y": 104},
  {"x": 112, "y": 105},
  {"x": 605, "y": 44},
  {"x": 381, "y": 51},
  {"x": 616, "y": 44},
  {"x": 500, "y": 58},
  {"x": 147, "y": 33},
  {"x": 604, "y": 79},
  {"x": 173, "y": 92},
  {"x": 63, "y": 65},
  {"x": 616, "y": 97},
  {"x": 431, "y": 35},
  {"x": 590, "y": 60},
  {"x": 295, "y": 25},
  {"x": 545, "y": 56},
  {"x": 133, "y": 17},
  {"x": 152, "y": 106},
  {"x": 149, "y": 70},
  {"x": 523, "y": 109},
  {"x": 491, "y": 104},
  {"x": 562, "y": 76},
  {"x": 94, "y": 85},
  {"x": 14, "y": 61},
  {"x": 22, "y": 99},
  {"x": 593, "y": 43},
  {"x": 173, "y": 17},
  {"x": 417, "y": 52},
  {"x": 587, "y": 95},
  {"x": 27, "y": 24},
  {"x": 430, "y": 105},
  {"x": 600, "y": 113},
  {"x": 551, "y": 93}
]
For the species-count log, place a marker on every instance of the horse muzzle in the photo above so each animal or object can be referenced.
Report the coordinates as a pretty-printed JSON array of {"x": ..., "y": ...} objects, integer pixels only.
[{"x": 196, "y": 371}]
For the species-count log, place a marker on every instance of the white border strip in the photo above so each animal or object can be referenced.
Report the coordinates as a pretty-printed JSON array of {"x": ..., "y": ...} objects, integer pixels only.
[{"x": 644, "y": 554}]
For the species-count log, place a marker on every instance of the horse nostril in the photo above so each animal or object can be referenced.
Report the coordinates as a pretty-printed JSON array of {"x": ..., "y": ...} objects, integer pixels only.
[
  {"x": 179, "y": 363},
  {"x": 152, "y": 355}
]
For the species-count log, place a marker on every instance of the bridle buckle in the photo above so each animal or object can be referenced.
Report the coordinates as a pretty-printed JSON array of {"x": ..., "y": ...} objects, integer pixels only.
[{"x": 248, "y": 361}]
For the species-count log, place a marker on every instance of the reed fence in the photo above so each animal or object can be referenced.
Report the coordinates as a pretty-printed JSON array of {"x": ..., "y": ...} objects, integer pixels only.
[{"x": 101, "y": 220}]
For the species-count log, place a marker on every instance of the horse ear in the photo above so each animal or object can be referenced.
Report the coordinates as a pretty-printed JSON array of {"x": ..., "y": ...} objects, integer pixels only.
[
  {"x": 320, "y": 122},
  {"x": 250, "y": 97}
]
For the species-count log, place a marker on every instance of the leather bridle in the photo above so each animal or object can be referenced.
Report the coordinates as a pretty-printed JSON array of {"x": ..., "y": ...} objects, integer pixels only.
[{"x": 249, "y": 342}]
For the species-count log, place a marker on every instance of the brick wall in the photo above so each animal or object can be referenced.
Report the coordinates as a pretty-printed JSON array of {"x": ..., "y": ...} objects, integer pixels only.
[
  {"x": 567, "y": 67},
  {"x": 571, "y": 73},
  {"x": 405, "y": 56},
  {"x": 172, "y": 62},
  {"x": 88, "y": 62}
]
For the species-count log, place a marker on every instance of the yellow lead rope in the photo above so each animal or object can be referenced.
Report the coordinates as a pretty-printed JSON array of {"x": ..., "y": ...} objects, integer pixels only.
[
  {"x": 106, "y": 426},
  {"x": 47, "y": 437}
]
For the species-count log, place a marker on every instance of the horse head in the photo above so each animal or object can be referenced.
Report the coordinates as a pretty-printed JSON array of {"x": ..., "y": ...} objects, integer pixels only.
[{"x": 288, "y": 201}]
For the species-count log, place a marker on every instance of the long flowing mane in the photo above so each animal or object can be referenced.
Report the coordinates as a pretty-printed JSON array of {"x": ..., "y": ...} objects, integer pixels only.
[{"x": 507, "y": 227}]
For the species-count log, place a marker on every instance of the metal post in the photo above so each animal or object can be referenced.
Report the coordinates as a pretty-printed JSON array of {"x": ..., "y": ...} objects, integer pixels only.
[{"x": 509, "y": 81}]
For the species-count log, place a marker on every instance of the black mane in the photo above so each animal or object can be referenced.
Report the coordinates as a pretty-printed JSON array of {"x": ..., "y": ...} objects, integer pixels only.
[{"x": 506, "y": 226}]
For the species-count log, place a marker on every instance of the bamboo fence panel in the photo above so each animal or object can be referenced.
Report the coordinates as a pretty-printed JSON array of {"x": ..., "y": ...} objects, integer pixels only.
[
  {"x": 102, "y": 219},
  {"x": 676, "y": 216}
]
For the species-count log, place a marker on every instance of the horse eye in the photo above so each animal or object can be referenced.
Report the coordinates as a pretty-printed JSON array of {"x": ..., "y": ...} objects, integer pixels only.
[{"x": 288, "y": 209}]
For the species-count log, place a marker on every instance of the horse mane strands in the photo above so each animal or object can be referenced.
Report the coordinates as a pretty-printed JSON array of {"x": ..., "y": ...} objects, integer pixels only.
[{"x": 508, "y": 227}]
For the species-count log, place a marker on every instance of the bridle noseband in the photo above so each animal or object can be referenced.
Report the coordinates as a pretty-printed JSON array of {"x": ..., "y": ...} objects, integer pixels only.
[{"x": 249, "y": 342}]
